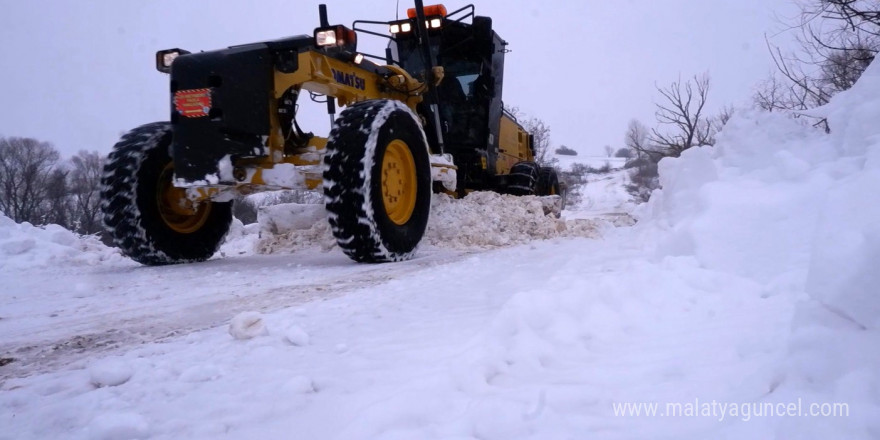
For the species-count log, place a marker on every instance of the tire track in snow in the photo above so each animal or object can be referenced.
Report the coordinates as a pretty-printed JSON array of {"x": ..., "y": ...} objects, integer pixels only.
[{"x": 115, "y": 329}]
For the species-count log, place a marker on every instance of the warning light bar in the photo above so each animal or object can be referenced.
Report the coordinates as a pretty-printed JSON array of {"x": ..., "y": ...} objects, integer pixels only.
[{"x": 433, "y": 10}]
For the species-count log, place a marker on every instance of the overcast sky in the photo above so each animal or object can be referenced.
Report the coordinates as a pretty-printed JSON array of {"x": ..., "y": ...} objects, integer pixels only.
[{"x": 80, "y": 73}]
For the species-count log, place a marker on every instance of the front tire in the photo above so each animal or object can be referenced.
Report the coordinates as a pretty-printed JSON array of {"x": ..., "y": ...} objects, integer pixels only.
[
  {"x": 377, "y": 181},
  {"x": 149, "y": 219},
  {"x": 523, "y": 178}
]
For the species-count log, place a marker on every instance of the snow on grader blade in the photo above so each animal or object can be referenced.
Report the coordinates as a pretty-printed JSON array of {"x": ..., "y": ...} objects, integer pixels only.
[{"x": 428, "y": 119}]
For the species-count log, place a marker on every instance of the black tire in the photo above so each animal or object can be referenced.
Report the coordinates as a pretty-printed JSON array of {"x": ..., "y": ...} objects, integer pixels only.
[
  {"x": 135, "y": 210},
  {"x": 548, "y": 185},
  {"x": 523, "y": 179},
  {"x": 548, "y": 182},
  {"x": 372, "y": 223}
]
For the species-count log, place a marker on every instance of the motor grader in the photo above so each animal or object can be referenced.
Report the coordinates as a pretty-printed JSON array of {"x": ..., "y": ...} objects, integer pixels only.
[{"x": 428, "y": 119}]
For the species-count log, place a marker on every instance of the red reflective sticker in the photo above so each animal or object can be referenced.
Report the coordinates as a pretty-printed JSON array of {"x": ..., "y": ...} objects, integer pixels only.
[{"x": 193, "y": 103}]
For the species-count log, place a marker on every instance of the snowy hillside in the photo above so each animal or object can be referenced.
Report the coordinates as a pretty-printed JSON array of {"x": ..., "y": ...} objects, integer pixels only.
[{"x": 746, "y": 292}]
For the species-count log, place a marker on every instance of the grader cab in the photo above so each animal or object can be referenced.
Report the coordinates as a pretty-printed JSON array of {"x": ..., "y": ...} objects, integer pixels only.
[{"x": 428, "y": 119}]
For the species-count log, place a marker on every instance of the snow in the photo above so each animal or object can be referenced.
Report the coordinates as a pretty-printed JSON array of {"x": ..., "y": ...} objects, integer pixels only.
[
  {"x": 119, "y": 426},
  {"x": 25, "y": 246},
  {"x": 748, "y": 279},
  {"x": 443, "y": 170},
  {"x": 791, "y": 208},
  {"x": 277, "y": 219},
  {"x": 488, "y": 220},
  {"x": 110, "y": 372},
  {"x": 604, "y": 196},
  {"x": 283, "y": 175},
  {"x": 247, "y": 325},
  {"x": 481, "y": 220},
  {"x": 296, "y": 336}
]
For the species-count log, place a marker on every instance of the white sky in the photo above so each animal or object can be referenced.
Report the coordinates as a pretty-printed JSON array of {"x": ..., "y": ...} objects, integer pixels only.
[{"x": 80, "y": 73}]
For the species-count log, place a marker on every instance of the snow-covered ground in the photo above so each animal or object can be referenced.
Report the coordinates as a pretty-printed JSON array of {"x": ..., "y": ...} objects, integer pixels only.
[
  {"x": 748, "y": 281},
  {"x": 604, "y": 196}
]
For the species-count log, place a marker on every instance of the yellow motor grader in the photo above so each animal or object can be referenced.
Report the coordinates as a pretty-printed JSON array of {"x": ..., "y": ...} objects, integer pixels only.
[{"x": 428, "y": 119}]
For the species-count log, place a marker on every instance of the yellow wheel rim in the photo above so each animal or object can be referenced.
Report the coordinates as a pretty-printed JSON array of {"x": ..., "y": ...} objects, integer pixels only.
[
  {"x": 399, "y": 183},
  {"x": 177, "y": 211}
]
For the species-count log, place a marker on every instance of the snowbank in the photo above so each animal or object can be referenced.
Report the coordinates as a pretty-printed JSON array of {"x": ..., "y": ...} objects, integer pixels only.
[
  {"x": 488, "y": 220},
  {"x": 795, "y": 209},
  {"x": 482, "y": 220},
  {"x": 24, "y": 246},
  {"x": 843, "y": 272}
]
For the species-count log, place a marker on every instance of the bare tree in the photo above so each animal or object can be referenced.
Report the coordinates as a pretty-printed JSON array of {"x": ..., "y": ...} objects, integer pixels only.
[
  {"x": 844, "y": 41},
  {"x": 856, "y": 14},
  {"x": 84, "y": 186},
  {"x": 804, "y": 90},
  {"x": 643, "y": 167},
  {"x": 838, "y": 39},
  {"x": 541, "y": 137},
  {"x": 57, "y": 206},
  {"x": 682, "y": 110},
  {"x": 771, "y": 94},
  {"x": 25, "y": 171},
  {"x": 682, "y": 114},
  {"x": 843, "y": 67},
  {"x": 723, "y": 117},
  {"x": 637, "y": 139}
]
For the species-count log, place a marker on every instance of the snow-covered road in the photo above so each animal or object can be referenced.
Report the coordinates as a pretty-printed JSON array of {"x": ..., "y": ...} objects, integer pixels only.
[
  {"x": 456, "y": 349},
  {"x": 71, "y": 314}
]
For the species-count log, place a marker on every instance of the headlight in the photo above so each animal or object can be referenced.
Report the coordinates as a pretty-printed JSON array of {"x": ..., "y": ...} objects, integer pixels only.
[
  {"x": 165, "y": 58},
  {"x": 325, "y": 38},
  {"x": 400, "y": 27},
  {"x": 168, "y": 58},
  {"x": 336, "y": 37}
]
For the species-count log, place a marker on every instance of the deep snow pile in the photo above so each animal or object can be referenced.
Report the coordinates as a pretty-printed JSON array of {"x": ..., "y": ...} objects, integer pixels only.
[
  {"x": 24, "y": 246},
  {"x": 795, "y": 210},
  {"x": 488, "y": 219},
  {"x": 481, "y": 220}
]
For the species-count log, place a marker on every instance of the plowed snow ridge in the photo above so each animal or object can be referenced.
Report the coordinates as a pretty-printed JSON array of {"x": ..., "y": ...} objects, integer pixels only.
[{"x": 482, "y": 220}]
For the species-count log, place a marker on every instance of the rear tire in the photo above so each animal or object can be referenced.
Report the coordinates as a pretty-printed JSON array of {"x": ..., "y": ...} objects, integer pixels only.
[
  {"x": 548, "y": 182},
  {"x": 377, "y": 181},
  {"x": 523, "y": 179},
  {"x": 143, "y": 213},
  {"x": 548, "y": 185}
]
